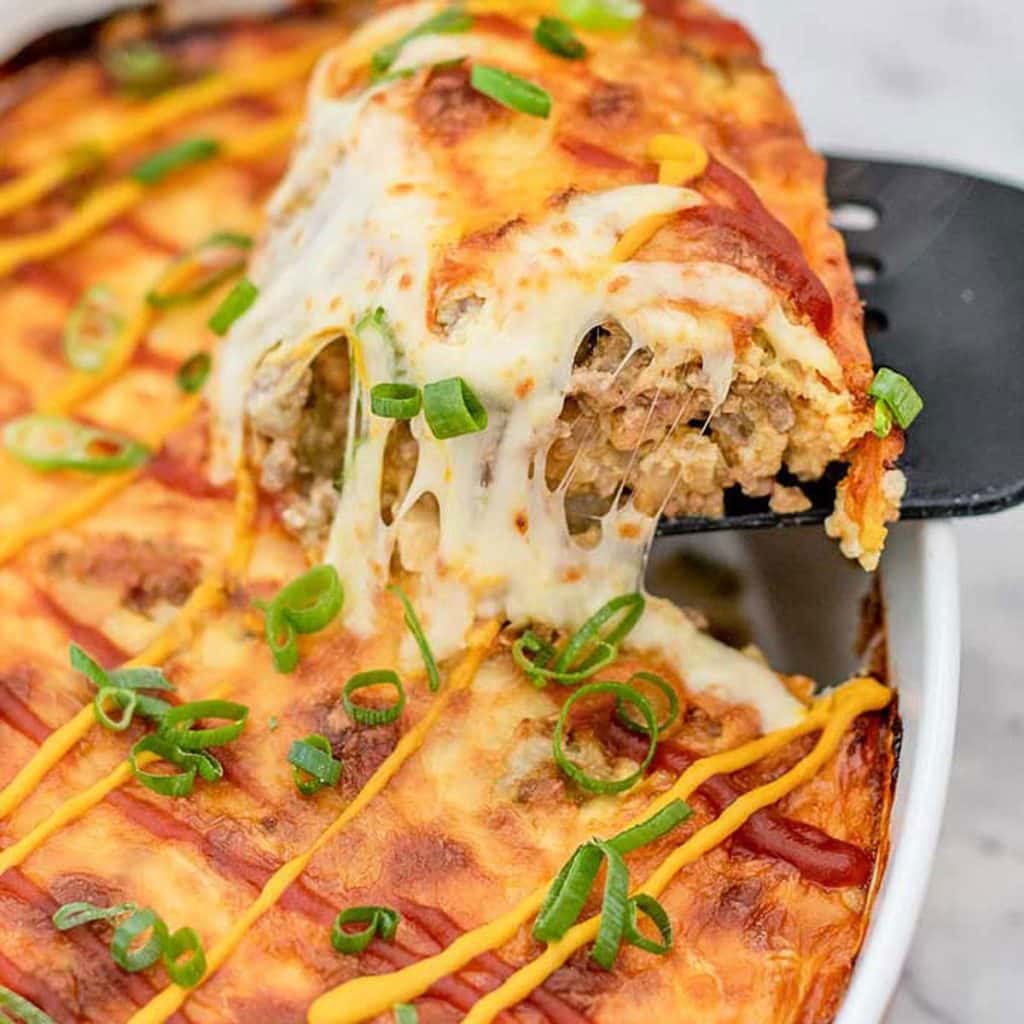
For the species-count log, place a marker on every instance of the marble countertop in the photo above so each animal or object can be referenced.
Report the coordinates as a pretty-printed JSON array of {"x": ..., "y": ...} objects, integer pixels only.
[{"x": 942, "y": 81}]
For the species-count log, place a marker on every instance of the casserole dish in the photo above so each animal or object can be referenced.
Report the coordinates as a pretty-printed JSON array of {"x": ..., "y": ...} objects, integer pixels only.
[{"x": 272, "y": 635}]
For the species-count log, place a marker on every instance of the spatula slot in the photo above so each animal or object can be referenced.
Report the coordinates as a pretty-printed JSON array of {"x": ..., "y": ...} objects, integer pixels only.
[
  {"x": 852, "y": 216},
  {"x": 866, "y": 269}
]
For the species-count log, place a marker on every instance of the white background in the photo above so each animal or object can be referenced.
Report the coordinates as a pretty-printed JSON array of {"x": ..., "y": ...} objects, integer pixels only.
[{"x": 942, "y": 80}]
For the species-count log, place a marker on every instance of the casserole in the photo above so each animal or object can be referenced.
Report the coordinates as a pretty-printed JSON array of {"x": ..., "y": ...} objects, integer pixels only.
[{"x": 268, "y": 620}]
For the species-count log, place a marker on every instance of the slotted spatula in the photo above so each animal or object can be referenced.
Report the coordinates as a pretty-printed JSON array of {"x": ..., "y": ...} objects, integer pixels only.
[{"x": 939, "y": 259}]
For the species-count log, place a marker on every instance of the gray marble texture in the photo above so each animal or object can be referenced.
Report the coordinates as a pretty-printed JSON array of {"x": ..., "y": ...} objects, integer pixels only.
[{"x": 943, "y": 80}]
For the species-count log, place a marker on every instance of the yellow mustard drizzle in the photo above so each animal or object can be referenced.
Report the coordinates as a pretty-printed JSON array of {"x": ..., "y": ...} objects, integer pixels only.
[
  {"x": 207, "y": 595},
  {"x": 263, "y": 77},
  {"x": 110, "y": 202},
  {"x": 363, "y": 998},
  {"x": 167, "y": 1002}
]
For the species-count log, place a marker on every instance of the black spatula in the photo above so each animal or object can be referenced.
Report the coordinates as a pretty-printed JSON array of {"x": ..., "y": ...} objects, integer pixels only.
[{"x": 939, "y": 258}]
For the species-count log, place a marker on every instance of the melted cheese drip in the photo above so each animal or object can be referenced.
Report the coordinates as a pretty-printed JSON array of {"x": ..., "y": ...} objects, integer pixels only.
[
  {"x": 360, "y": 221},
  {"x": 268, "y": 75},
  {"x": 207, "y": 596},
  {"x": 363, "y": 998},
  {"x": 110, "y": 202},
  {"x": 171, "y": 998}
]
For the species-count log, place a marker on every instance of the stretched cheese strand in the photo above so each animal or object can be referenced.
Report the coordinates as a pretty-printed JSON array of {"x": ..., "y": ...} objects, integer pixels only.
[
  {"x": 75, "y": 808},
  {"x": 253, "y": 80},
  {"x": 363, "y": 998},
  {"x": 171, "y": 998},
  {"x": 857, "y": 697},
  {"x": 14, "y": 540},
  {"x": 110, "y": 202},
  {"x": 206, "y": 596}
]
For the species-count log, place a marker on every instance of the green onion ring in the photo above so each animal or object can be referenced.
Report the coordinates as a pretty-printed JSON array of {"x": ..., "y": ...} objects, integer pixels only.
[
  {"x": 602, "y": 655},
  {"x": 138, "y": 958},
  {"x": 633, "y": 607},
  {"x": 382, "y": 921},
  {"x": 236, "y": 302},
  {"x": 92, "y": 329},
  {"x": 373, "y": 716},
  {"x": 670, "y": 695},
  {"x": 89, "y": 667},
  {"x": 558, "y": 38},
  {"x": 568, "y": 894},
  {"x": 656, "y": 826},
  {"x": 200, "y": 762},
  {"x": 602, "y": 15},
  {"x": 126, "y": 699},
  {"x": 901, "y": 397},
  {"x": 56, "y": 442},
  {"x": 416, "y": 628},
  {"x": 406, "y": 1014},
  {"x": 177, "y": 723},
  {"x": 210, "y": 263},
  {"x": 650, "y": 907},
  {"x": 452, "y": 409},
  {"x": 24, "y": 1011},
  {"x": 72, "y": 915},
  {"x": 155, "y": 168},
  {"x": 613, "y": 908},
  {"x": 311, "y": 601},
  {"x": 187, "y": 972},
  {"x": 396, "y": 401},
  {"x": 579, "y": 776},
  {"x": 451, "y": 20},
  {"x": 313, "y": 764},
  {"x": 144, "y": 677},
  {"x": 280, "y": 634},
  {"x": 510, "y": 90},
  {"x": 192, "y": 373}
]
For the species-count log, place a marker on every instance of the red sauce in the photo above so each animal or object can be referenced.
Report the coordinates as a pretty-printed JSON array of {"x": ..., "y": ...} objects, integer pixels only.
[
  {"x": 20, "y": 717},
  {"x": 184, "y": 476},
  {"x": 48, "y": 278},
  {"x": 596, "y": 156}
]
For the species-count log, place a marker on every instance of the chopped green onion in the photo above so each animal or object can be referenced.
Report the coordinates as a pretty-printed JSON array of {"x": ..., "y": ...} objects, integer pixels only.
[
  {"x": 126, "y": 699},
  {"x": 447, "y": 22},
  {"x": 192, "y": 373},
  {"x": 88, "y": 666},
  {"x": 71, "y": 915},
  {"x": 602, "y": 655},
  {"x": 312, "y": 601},
  {"x": 140, "y": 69},
  {"x": 416, "y": 628},
  {"x": 649, "y": 906},
  {"x": 200, "y": 269},
  {"x": 122, "y": 685},
  {"x": 613, "y": 908},
  {"x": 452, "y": 409},
  {"x": 24, "y": 1011},
  {"x": 313, "y": 764},
  {"x": 898, "y": 394},
  {"x": 176, "y": 725},
  {"x": 373, "y": 716},
  {"x": 660, "y": 684},
  {"x": 189, "y": 971},
  {"x": 55, "y": 442},
  {"x": 382, "y": 921},
  {"x": 235, "y": 303},
  {"x": 510, "y": 90},
  {"x": 123, "y": 948},
  {"x": 405, "y": 1014},
  {"x": 883, "y": 420},
  {"x": 281, "y": 638},
  {"x": 92, "y": 328},
  {"x": 142, "y": 677},
  {"x": 200, "y": 762},
  {"x": 568, "y": 893},
  {"x": 376, "y": 319},
  {"x": 632, "y": 605},
  {"x": 181, "y": 154},
  {"x": 558, "y": 38},
  {"x": 602, "y": 15},
  {"x": 395, "y": 400},
  {"x": 580, "y": 777},
  {"x": 656, "y": 826}
]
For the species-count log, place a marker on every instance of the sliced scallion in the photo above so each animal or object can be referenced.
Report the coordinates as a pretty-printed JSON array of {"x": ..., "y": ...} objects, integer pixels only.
[
  {"x": 155, "y": 168},
  {"x": 71, "y": 915},
  {"x": 380, "y": 921},
  {"x": 313, "y": 764},
  {"x": 177, "y": 725},
  {"x": 577, "y": 774},
  {"x": 452, "y": 408},
  {"x": 176, "y": 784},
  {"x": 602, "y": 15},
  {"x": 449, "y": 21},
  {"x": 882, "y": 424},
  {"x": 127, "y": 700},
  {"x": 656, "y": 826},
  {"x": 235, "y": 303},
  {"x": 558, "y": 38},
  {"x": 416, "y": 628},
  {"x": 405, "y": 1014},
  {"x": 642, "y": 903},
  {"x": 56, "y": 442},
  {"x": 510, "y": 90},
  {"x": 568, "y": 893},
  {"x": 614, "y": 910},
  {"x": 281, "y": 639},
  {"x": 92, "y": 329},
  {"x": 125, "y": 948},
  {"x": 663, "y": 686},
  {"x": 395, "y": 400},
  {"x": 373, "y": 716},
  {"x": 192, "y": 373},
  {"x": 200, "y": 269},
  {"x": 24, "y": 1012},
  {"x": 184, "y": 958},
  {"x": 306, "y": 605},
  {"x": 898, "y": 394}
]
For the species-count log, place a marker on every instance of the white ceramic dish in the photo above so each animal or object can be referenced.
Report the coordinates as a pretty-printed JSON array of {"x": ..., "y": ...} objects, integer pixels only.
[{"x": 803, "y": 600}]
